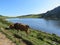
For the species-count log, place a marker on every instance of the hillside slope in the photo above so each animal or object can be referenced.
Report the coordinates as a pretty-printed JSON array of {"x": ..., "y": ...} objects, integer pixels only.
[{"x": 53, "y": 14}]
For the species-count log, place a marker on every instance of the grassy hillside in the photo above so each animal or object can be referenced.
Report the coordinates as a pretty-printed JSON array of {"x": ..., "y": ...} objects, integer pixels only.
[
  {"x": 53, "y": 14},
  {"x": 34, "y": 38},
  {"x": 31, "y": 16}
]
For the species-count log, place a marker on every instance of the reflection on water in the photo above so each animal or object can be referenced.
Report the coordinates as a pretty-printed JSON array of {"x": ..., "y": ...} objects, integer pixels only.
[{"x": 50, "y": 26}]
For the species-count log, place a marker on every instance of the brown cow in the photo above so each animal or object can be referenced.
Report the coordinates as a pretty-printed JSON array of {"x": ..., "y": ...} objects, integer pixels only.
[
  {"x": 19, "y": 26},
  {"x": 11, "y": 26}
]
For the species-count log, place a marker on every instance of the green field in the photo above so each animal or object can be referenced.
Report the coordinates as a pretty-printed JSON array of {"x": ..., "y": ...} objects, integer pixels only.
[{"x": 35, "y": 37}]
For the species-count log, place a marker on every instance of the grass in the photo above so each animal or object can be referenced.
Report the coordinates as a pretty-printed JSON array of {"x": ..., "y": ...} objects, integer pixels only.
[{"x": 34, "y": 38}]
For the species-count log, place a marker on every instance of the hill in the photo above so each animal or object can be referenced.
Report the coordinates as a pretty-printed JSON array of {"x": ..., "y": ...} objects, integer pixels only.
[
  {"x": 31, "y": 16},
  {"x": 53, "y": 14}
]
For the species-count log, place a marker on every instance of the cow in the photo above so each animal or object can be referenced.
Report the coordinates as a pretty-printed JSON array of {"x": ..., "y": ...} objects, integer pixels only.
[
  {"x": 11, "y": 26},
  {"x": 19, "y": 26}
]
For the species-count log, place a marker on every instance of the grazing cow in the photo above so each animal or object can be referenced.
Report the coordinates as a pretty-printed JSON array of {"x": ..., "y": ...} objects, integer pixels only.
[
  {"x": 11, "y": 26},
  {"x": 19, "y": 26}
]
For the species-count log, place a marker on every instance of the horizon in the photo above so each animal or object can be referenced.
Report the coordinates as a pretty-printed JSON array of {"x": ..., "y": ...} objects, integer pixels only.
[{"x": 25, "y": 7}]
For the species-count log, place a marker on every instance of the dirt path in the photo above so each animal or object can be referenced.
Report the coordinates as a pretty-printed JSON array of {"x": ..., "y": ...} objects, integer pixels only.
[{"x": 4, "y": 40}]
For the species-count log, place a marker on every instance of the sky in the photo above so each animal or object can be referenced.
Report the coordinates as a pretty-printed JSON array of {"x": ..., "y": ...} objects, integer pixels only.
[{"x": 25, "y": 7}]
